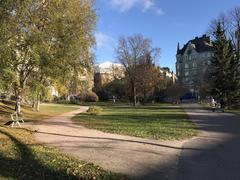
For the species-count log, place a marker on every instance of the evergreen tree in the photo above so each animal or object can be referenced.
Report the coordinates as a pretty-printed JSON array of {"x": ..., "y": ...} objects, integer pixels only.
[{"x": 224, "y": 68}]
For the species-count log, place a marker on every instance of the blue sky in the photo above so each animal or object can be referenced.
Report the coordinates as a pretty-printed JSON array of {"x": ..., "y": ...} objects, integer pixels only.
[{"x": 166, "y": 22}]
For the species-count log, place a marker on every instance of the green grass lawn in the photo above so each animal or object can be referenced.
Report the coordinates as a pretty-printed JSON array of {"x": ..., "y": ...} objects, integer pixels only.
[
  {"x": 46, "y": 111},
  {"x": 23, "y": 158},
  {"x": 157, "y": 122},
  {"x": 105, "y": 103},
  {"x": 235, "y": 110}
]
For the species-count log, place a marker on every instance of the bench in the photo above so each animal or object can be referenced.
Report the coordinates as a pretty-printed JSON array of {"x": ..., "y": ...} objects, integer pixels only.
[{"x": 15, "y": 119}]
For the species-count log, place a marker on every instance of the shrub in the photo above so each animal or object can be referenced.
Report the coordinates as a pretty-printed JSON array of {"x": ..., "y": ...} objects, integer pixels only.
[
  {"x": 74, "y": 101},
  {"x": 91, "y": 97},
  {"x": 94, "y": 110},
  {"x": 103, "y": 95}
]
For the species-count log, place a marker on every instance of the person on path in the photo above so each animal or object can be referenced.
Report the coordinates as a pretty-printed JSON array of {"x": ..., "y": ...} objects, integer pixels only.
[
  {"x": 181, "y": 99},
  {"x": 213, "y": 104},
  {"x": 222, "y": 104}
]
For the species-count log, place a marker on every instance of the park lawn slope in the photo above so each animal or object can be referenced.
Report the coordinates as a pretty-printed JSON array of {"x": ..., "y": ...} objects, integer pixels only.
[
  {"x": 156, "y": 122},
  {"x": 46, "y": 111},
  {"x": 23, "y": 158}
]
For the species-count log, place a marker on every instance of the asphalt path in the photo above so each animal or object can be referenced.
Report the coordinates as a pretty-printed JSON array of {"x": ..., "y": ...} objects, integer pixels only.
[{"x": 215, "y": 153}]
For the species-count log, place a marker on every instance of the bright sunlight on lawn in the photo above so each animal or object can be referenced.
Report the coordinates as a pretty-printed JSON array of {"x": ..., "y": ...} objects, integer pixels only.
[
  {"x": 22, "y": 157},
  {"x": 156, "y": 122},
  {"x": 46, "y": 111}
]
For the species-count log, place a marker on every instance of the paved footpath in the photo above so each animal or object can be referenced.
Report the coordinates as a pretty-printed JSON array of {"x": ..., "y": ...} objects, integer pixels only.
[
  {"x": 215, "y": 153},
  {"x": 137, "y": 157}
]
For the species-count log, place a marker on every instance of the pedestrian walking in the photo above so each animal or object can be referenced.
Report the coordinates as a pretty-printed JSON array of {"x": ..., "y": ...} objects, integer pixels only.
[
  {"x": 213, "y": 104},
  {"x": 222, "y": 104}
]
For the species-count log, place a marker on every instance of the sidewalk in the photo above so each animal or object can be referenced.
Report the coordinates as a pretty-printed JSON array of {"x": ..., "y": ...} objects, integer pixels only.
[
  {"x": 219, "y": 142},
  {"x": 136, "y": 157}
]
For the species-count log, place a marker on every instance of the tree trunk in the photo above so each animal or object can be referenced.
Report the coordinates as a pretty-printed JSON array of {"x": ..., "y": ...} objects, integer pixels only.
[
  {"x": 37, "y": 103},
  {"x": 144, "y": 96},
  {"x": 33, "y": 102},
  {"x": 134, "y": 96},
  {"x": 18, "y": 94},
  {"x": 18, "y": 105}
]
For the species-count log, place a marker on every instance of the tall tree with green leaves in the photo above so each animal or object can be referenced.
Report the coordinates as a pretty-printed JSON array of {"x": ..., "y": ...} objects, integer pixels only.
[
  {"x": 224, "y": 67},
  {"x": 50, "y": 38}
]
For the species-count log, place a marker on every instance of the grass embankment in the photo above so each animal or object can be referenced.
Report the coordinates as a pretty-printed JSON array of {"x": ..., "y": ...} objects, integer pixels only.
[
  {"x": 157, "y": 122},
  {"x": 46, "y": 111},
  {"x": 23, "y": 158},
  {"x": 235, "y": 111}
]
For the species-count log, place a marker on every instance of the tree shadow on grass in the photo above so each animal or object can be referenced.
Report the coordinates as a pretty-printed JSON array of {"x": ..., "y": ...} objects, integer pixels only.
[
  {"x": 137, "y": 117},
  {"x": 5, "y": 110},
  {"x": 145, "y": 142},
  {"x": 27, "y": 166},
  {"x": 147, "y": 107}
]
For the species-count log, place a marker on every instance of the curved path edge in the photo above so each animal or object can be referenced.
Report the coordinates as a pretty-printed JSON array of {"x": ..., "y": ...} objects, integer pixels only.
[
  {"x": 218, "y": 146},
  {"x": 136, "y": 157}
]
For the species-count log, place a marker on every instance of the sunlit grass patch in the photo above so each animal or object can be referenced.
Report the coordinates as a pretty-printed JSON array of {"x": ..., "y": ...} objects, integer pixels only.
[
  {"x": 23, "y": 158},
  {"x": 157, "y": 122},
  {"x": 46, "y": 111}
]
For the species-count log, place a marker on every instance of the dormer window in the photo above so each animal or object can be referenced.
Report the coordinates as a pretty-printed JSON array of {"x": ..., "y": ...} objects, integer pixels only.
[{"x": 189, "y": 51}]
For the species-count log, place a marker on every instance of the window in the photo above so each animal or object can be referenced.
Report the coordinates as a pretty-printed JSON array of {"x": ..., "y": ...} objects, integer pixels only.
[
  {"x": 194, "y": 64},
  {"x": 190, "y": 57},
  {"x": 186, "y": 73},
  {"x": 186, "y": 66},
  {"x": 195, "y": 72}
]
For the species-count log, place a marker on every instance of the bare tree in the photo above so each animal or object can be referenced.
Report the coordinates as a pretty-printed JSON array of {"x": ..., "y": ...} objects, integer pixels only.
[
  {"x": 131, "y": 52},
  {"x": 235, "y": 29},
  {"x": 230, "y": 22}
]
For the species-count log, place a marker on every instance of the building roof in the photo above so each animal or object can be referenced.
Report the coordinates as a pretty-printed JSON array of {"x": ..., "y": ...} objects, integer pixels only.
[
  {"x": 200, "y": 44},
  {"x": 106, "y": 67}
]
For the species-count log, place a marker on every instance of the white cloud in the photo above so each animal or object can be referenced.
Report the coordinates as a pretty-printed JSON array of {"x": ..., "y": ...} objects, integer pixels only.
[
  {"x": 159, "y": 11},
  {"x": 144, "y": 5},
  {"x": 147, "y": 4},
  {"x": 123, "y": 5},
  {"x": 103, "y": 40}
]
